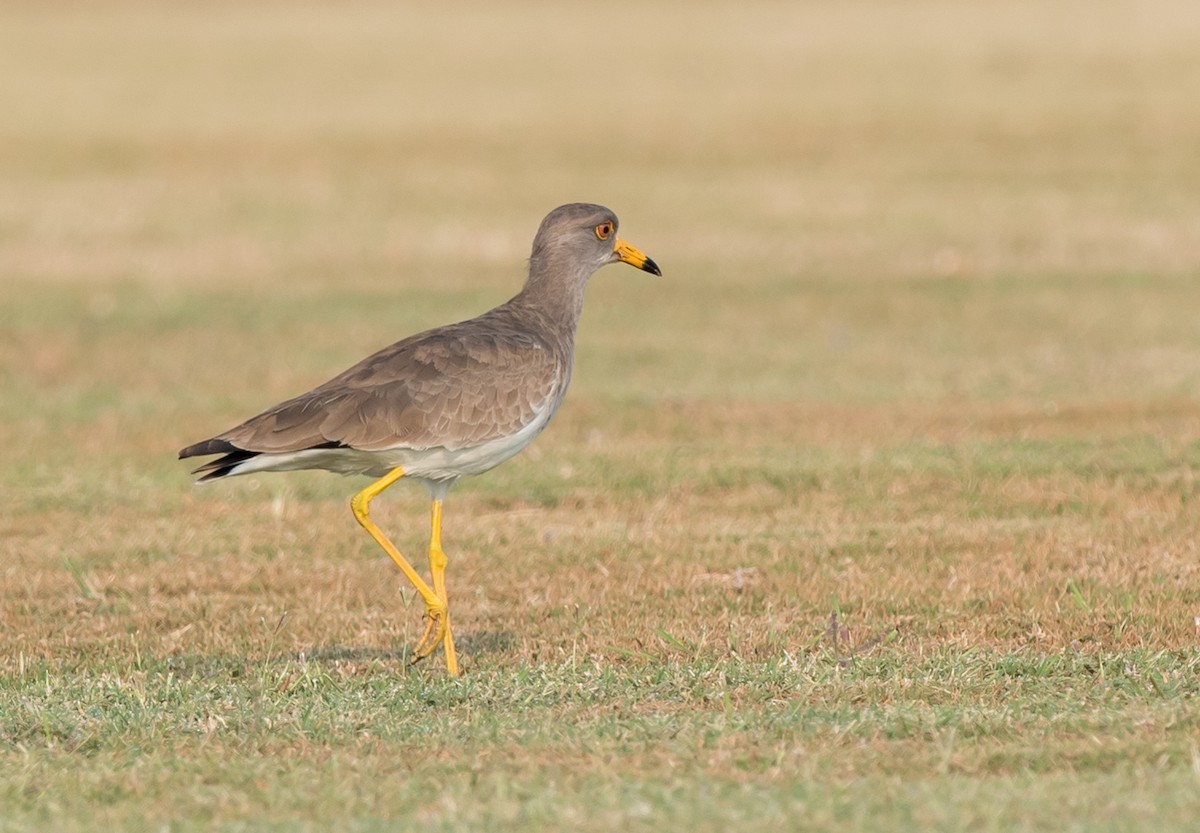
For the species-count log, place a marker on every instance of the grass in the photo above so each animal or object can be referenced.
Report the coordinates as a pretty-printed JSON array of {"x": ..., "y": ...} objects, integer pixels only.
[
  {"x": 951, "y": 740},
  {"x": 877, "y": 512}
]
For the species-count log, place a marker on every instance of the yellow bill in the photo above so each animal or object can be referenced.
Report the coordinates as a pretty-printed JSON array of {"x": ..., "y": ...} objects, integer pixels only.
[{"x": 628, "y": 254}]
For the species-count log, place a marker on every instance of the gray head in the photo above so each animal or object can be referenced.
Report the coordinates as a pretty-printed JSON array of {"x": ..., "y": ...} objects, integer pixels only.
[{"x": 579, "y": 238}]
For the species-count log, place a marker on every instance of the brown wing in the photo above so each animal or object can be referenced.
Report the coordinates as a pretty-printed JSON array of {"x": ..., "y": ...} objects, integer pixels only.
[{"x": 455, "y": 387}]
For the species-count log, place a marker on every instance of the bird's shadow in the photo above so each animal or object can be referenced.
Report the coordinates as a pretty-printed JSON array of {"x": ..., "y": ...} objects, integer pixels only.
[{"x": 476, "y": 645}]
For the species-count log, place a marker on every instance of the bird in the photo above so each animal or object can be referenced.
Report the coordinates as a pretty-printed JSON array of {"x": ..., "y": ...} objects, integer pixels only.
[{"x": 446, "y": 403}]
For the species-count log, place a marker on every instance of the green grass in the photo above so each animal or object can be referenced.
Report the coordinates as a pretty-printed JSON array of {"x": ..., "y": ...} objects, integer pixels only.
[
  {"x": 877, "y": 511},
  {"x": 881, "y": 740}
]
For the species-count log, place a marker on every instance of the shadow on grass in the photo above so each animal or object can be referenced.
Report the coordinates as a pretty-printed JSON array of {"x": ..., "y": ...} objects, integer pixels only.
[{"x": 475, "y": 645}]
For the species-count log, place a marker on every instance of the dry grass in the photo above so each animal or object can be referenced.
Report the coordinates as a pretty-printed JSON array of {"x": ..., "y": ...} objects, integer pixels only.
[{"x": 878, "y": 511}]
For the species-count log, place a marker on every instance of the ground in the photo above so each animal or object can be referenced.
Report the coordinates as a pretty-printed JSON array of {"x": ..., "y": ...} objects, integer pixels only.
[{"x": 877, "y": 511}]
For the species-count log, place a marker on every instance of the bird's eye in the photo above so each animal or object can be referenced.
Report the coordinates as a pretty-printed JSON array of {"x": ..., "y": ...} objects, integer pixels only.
[{"x": 604, "y": 230}]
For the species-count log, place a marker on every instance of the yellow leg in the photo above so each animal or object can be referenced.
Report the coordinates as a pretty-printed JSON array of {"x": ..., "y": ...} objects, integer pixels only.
[
  {"x": 435, "y": 606},
  {"x": 437, "y": 569}
]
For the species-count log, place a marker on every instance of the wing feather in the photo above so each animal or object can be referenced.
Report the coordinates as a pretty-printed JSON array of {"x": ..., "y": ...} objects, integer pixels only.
[{"x": 454, "y": 387}]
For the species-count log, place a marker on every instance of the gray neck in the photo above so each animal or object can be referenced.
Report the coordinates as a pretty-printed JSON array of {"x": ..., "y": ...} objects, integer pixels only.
[{"x": 554, "y": 293}]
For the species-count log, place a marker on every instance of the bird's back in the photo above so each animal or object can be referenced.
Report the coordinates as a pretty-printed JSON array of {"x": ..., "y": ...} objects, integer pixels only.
[{"x": 452, "y": 388}]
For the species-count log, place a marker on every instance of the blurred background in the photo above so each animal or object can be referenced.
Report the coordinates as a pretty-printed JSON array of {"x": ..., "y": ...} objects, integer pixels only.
[{"x": 851, "y": 201}]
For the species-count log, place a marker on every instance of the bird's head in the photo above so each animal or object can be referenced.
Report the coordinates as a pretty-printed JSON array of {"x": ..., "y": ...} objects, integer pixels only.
[{"x": 586, "y": 234}]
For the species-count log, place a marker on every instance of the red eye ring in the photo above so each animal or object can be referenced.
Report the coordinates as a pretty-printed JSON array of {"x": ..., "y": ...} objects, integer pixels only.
[{"x": 604, "y": 230}]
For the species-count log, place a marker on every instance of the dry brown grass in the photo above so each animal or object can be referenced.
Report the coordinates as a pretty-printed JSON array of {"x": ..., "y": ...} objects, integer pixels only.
[{"x": 954, "y": 527}]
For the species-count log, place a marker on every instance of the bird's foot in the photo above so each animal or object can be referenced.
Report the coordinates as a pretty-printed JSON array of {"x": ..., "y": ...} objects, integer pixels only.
[{"x": 437, "y": 622}]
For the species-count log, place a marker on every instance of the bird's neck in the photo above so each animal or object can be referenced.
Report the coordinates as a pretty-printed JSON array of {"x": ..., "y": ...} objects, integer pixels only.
[{"x": 554, "y": 292}]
